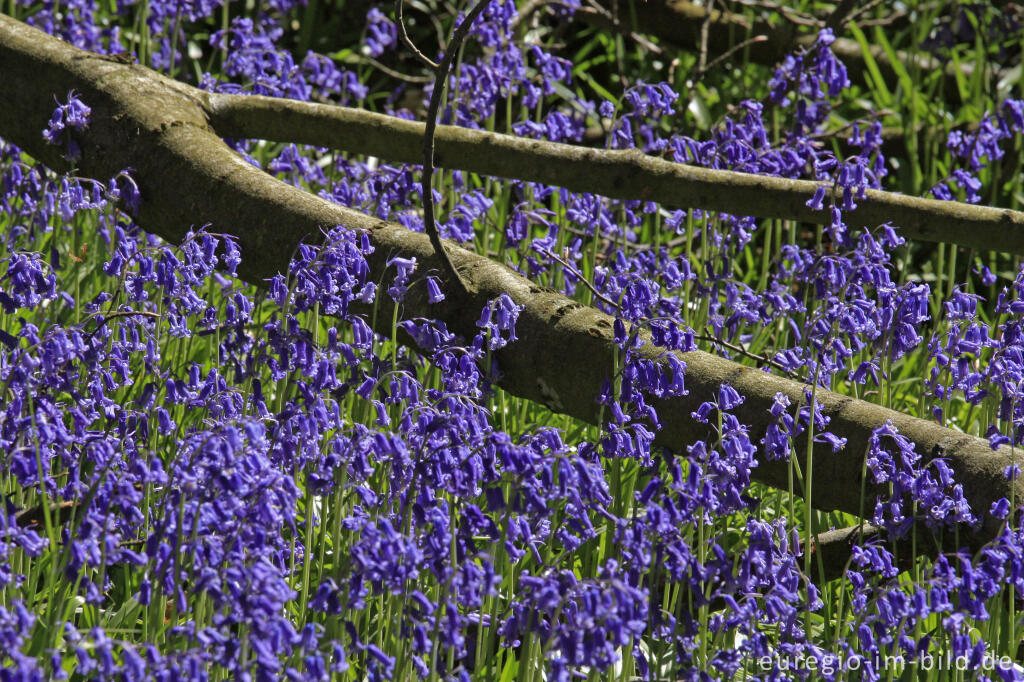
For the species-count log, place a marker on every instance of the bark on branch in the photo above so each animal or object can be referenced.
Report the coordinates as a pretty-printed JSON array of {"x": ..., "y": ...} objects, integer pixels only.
[
  {"x": 188, "y": 176},
  {"x": 622, "y": 174}
]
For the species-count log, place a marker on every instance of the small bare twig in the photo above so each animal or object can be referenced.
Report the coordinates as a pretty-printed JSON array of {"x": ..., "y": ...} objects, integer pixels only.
[
  {"x": 791, "y": 15},
  {"x": 840, "y": 14},
  {"x": 527, "y": 10},
  {"x": 387, "y": 70},
  {"x": 867, "y": 7},
  {"x": 702, "y": 59},
  {"x": 761, "y": 359},
  {"x": 592, "y": 9},
  {"x": 432, "y": 16},
  {"x": 108, "y": 316},
  {"x": 579, "y": 275},
  {"x": 842, "y": 130},
  {"x": 593, "y": 6},
  {"x": 894, "y": 18},
  {"x": 725, "y": 55},
  {"x": 407, "y": 41},
  {"x": 617, "y": 27},
  {"x": 440, "y": 81}
]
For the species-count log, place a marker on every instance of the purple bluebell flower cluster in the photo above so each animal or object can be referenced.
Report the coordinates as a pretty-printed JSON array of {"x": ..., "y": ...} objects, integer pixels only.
[
  {"x": 73, "y": 115},
  {"x": 202, "y": 476},
  {"x": 978, "y": 148}
]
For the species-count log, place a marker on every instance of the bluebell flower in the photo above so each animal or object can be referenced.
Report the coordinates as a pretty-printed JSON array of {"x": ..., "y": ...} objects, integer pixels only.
[{"x": 381, "y": 33}]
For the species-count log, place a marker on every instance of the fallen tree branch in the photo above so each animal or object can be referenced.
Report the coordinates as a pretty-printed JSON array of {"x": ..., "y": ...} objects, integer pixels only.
[
  {"x": 678, "y": 22},
  {"x": 188, "y": 176},
  {"x": 619, "y": 174}
]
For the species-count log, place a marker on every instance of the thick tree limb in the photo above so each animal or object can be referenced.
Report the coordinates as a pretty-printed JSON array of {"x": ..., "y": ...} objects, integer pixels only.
[
  {"x": 619, "y": 174},
  {"x": 188, "y": 176}
]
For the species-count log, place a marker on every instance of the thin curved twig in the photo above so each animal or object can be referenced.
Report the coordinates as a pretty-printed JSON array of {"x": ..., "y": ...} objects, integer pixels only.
[
  {"x": 789, "y": 14},
  {"x": 840, "y": 15},
  {"x": 407, "y": 41},
  {"x": 760, "y": 359},
  {"x": 526, "y": 11},
  {"x": 593, "y": 7},
  {"x": 388, "y": 71},
  {"x": 701, "y": 70},
  {"x": 702, "y": 57},
  {"x": 108, "y": 316},
  {"x": 579, "y": 275},
  {"x": 857, "y": 13},
  {"x": 440, "y": 81}
]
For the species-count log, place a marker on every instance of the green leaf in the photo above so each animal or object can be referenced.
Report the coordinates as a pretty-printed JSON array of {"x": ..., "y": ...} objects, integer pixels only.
[
  {"x": 906, "y": 82},
  {"x": 597, "y": 87},
  {"x": 511, "y": 669},
  {"x": 882, "y": 94},
  {"x": 700, "y": 112},
  {"x": 961, "y": 82},
  {"x": 126, "y": 616}
]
